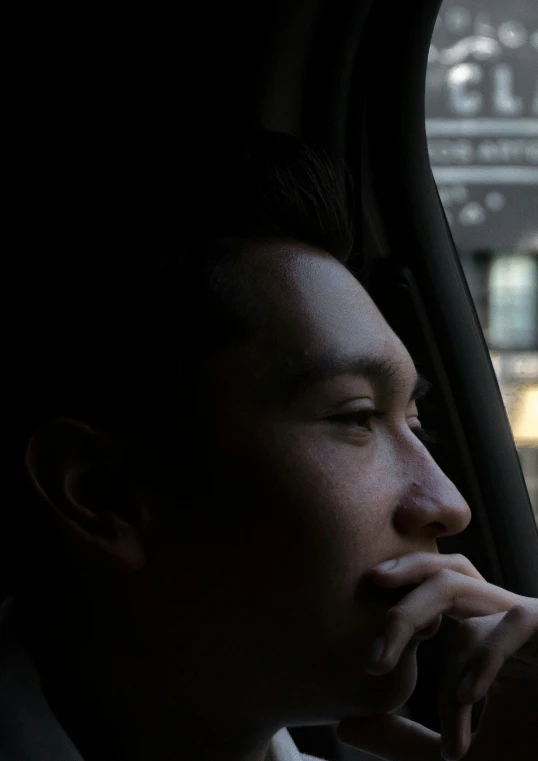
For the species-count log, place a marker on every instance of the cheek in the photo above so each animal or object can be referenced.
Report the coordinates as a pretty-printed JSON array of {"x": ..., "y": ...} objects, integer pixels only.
[
  {"x": 311, "y": 494},
  {"x": 291, "y": 521},
  {"x": 306, "y": 513}
]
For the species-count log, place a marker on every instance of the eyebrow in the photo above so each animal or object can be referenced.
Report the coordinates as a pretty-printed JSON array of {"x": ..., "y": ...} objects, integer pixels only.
[{"x": 383, "y": 371}]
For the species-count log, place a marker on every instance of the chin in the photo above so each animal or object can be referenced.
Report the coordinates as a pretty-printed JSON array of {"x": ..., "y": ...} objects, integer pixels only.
[{"x": 388, "y": 692}]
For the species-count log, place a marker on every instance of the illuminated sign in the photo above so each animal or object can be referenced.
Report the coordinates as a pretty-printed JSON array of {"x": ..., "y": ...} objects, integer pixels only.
[{"x": 482, "y": 122}]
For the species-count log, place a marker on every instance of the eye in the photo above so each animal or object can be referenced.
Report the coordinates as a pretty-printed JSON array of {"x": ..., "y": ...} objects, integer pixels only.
[{"x": 360, "y": 419}]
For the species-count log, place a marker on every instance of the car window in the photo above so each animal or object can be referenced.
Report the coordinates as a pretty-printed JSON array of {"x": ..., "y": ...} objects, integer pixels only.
[{"x": 482, "y": 129}]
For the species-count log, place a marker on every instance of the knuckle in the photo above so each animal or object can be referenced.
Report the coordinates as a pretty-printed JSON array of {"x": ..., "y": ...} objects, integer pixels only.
[
  {"x": 465, "y": 566},
  {"x": 466, "y": 633},
  {"x": 445, "y": 576},
  {"x": 401, "y": 619},
  {"x": 519, "y": 612},
  {"x": 397, "y": 613}
]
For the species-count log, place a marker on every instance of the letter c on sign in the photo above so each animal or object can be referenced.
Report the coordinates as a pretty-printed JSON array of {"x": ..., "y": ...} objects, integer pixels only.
[{"x": 463, "y": 101}]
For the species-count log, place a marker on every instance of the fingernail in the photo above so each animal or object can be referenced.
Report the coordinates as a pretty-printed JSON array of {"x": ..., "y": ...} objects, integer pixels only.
[
  {"x": 388, "y": 565},
  {"x": 376, "y": 651}
]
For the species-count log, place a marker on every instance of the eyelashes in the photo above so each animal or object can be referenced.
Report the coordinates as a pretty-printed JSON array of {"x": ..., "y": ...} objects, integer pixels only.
[{"x": 364, "y": 418}]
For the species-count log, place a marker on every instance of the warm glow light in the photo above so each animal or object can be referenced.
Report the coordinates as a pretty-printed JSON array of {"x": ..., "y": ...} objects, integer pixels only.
[{"x": 525, "y": 417}]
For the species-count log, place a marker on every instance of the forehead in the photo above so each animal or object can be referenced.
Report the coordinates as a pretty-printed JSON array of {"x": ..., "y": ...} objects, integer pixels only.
[
  {"x": 314, "y": 301},
  {"x": 314, "y": 309}
]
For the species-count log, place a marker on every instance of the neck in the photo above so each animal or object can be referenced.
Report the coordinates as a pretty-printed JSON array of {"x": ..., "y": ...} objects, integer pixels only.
[{"x": 116, "y": 709}]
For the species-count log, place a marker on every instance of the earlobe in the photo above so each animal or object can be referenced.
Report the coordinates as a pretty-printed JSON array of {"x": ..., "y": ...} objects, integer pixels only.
[{"x": 68, "y": 465}]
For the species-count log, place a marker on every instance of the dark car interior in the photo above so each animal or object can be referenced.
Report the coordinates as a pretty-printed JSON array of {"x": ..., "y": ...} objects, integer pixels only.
[{"x": 351, "y": 75}]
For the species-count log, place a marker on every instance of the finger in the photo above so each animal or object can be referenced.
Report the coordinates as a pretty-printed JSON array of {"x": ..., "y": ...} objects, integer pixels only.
[
  {"x": 456, "y": 731},
  {"x": 416, "y": 567},
  {"x": 517, "y": 627},
  {"x": 445, "y": 593},
  {"x": 390, "y": 737},
  {"x": 455, "y": 713},
  {"x": 469, "y": 676}
]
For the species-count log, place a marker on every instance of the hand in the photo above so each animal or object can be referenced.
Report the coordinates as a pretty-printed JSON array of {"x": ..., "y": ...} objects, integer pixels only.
[{"x": 496, "y": 647}]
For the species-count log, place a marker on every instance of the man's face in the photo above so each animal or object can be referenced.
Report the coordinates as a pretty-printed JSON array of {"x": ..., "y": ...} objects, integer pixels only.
[{"x": 310, "y": 479}]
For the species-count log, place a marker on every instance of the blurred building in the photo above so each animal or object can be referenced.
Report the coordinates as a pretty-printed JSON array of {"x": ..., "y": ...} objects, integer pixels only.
[{"x": 482, "y": 127}]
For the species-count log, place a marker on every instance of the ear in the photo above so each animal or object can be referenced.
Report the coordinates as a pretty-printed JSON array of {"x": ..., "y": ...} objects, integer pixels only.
[{"x": 76, "y": 474}]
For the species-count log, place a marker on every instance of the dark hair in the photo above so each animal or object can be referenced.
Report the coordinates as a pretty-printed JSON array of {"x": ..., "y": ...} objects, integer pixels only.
[{"x": 129, "y": 277}]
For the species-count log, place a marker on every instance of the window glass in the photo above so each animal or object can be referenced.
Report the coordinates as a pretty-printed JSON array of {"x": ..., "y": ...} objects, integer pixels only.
[{"x": 482, "y": 128}]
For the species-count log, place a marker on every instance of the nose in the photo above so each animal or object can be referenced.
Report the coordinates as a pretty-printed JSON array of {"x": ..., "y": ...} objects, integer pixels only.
[{"x": 430, "y": 504}]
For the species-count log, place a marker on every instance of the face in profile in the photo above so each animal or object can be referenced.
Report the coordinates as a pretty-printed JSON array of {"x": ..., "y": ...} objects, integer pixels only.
[
  {"x": 253, "y": 604},
  {"x": 313, "y": 474}
]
